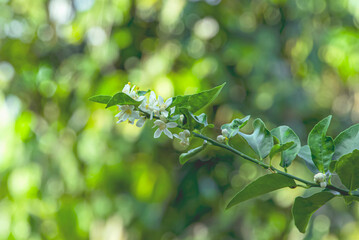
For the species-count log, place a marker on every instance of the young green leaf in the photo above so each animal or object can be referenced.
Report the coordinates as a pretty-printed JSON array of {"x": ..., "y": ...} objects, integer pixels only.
[
  {"x": 262, "y": 185},
  {"x": 321, "y": 146},
  {"x": 303, "y": 208},
  {"x": 143, "y": 93},
  {"x": 347, "y": 168},
  {"x": 235, "y": 125},
  {"x": 100, "y": 99},
  {"x": 122, "y": 99},
  {"x": 285, "y": 134},
  {"x": 261, "y": 140},
  {"x": 184, "y": 157},
  {"x": 196, "y": 101},
  {"x": 346, "y": 141},
  {"x": 306, "y": 155},
  {"x": 192, "y": 121},
  {"x": 277, "y": 148}
]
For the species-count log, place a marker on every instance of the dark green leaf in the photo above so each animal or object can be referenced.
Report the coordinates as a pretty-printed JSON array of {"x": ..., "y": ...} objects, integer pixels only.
[
  {"x": 122, "y": 99},
  {"x": 277, "y": 148},
  {"x": 332, "y": 166},
  {"x": 235, "y": 125},
  {"x": 347, "y": 168},
  {"x": 196, "y": 101},
  {"x": 346, "y": 141},
  {"x": 262, "y": 185},
  {"x": 321, "y": 146},
  {"x": 261, "y": 140},
  {"x": 184, "y": 157},
  {"x": 100, "y": 99},
  {"x": 143, "y": 93},
  {"x": 306, "y": 155},
  {"x": 350, "y": 199},
  {"x": 303, "y": 208},
  {"x": 285, "y": 134}
]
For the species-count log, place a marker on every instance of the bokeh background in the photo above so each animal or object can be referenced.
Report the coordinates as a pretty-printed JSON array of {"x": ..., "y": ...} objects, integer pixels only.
[{"x": 68, "y": 171}]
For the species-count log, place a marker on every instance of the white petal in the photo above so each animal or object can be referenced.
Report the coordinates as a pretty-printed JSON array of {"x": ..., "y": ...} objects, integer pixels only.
[
  {"x": 140, "y": 98},
  {"x": 157, "y": 133},
  {"x": 164, "y": 113},
  {"x": 171, "y": 125},
  {"x": 168, "y": 133},
  {"x": 168, "y": 102},
  {"x": 173, "y": 109},
  {"x": 158, "y": 122},
  {"x": 141, "y": 122},
  {"x": 176, "y": 136},
  {"x": 160, "y": 100}
]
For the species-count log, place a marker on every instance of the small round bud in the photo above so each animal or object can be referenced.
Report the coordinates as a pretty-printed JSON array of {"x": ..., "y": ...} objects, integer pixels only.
[
  {"x": 221, "y": 138},
  {"x": 187, "y": 133},
  {"x": 323, "y": 184},
  {"x": 225, "y": 132},
  {"x": 181, "y": 118},
  {"x": 320, "y": 177}
]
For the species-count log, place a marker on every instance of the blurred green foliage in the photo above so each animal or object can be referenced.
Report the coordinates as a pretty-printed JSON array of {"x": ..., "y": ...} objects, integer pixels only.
[{"x": 69, "y": 172}]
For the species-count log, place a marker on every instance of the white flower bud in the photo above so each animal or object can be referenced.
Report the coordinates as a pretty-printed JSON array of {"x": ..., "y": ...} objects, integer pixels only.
[
  {"x": 319, "y": 177},
  {"x": 323, "y": 184},
  {"x": 187, "y": 133},
  {"x": 221, "y": 138},
  {"x": 181, "y": 118},
  {"x": 225, "y": 132}
]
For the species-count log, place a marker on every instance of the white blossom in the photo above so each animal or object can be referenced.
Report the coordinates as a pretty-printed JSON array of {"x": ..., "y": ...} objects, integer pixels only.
[
  {"x": 163, "y": 105},
  {"x": 150, "y": 105},
  {"x": 163, "y": 127},
  {"x": 323, "y": 184},
  {"x": 221, "y": 138},
  {"x": 320, "y": 177},
  {"x": 127, "y": 112},
  {"x": 132, "y": 92},
  {"x": 140, "y": 122},
  {"x": 183, "y": 137}
]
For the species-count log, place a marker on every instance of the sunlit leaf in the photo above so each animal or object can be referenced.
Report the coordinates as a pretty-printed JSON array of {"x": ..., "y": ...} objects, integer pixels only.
[
  {"x": 303, "y": 208},
  {"x": 260, "y": 186},
  {"x": 347, "y": 168},
  {"x": 346, "y": 141},
  {"x": 122, "y": 99},
  {"x": 197, "y": 101},
  {"x": 285, "y": 134},
  {"x": 321, "y": 146},
  {"x": 100, "y": 99},
  {"x": 261, "y": 140}
]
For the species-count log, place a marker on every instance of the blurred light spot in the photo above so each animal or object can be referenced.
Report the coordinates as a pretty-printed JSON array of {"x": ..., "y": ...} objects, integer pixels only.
[
  {"x": 21, "y": 229},
  {"x": 272, "y": 15},
  {"x": 47, "y": 88},
  {"x": 5, "y": 222},
  {"x": 200, "y": 231},
  {"x": 196, "y": 48},
  {"x": 96, "y": 36},
  {"x": 334, "y": 55},
  {"x": 49, "y": 228},
  {"x": 123, "y": 38},
  {"x": 61, "y": 11},
  {"x": 208, "y": 188},
  {"x": 13, "y": 105},
  {"x": 321, "y": 224},
  {"x": 205, "y": 67},
  {"x": 206, "y": 28},
  {"x": 171, "y": 11},
  {"x": 14, "y": 29},
  {"x": 83, "y": 5},
  {"x": 342, "y": 105},
  {"x": 131, "y": 62},
  {"x": 264, "y": 100},
  {"x": 7, "y": 71},
  {"x": 23, "y": 180},
  {"x": 130, "y": 131},
  {"x": 247, "y": 22},
  {"x": 164, "y": 87},
  {"x": 79, "y": 119},
  {"x": 45, "y": 32}
]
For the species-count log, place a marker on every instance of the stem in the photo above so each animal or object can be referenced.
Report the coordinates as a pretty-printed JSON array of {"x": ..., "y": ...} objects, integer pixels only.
[{"x": 266, "y": 166}]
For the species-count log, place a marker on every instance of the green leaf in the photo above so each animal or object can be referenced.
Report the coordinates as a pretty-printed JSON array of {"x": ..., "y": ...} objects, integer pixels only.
[
  {"x": 235, "y": 125},
  {"x": 122, "y": 99},
  {"x": 347, "y": 168},
  {"x": 100, "y": 99},
  {"x": 303, "y": 208},
  {"x": 184, "y": 157},
  {"x": 321, "y": 146},
  {"x": 260, "y": 186},
  {"x": 192, "y": 121},
  {"x": 196, "y": 101},
  {"x": 306, "y": 155},
  {"x": 285, "y": 134},
  {"x": 346, "y": 141},
  {"x": 261, "y": 140},
  {"x": 143, "y": 93},
  {"x": 350, "y": 199},
  {"x": 277, "y": 148}
]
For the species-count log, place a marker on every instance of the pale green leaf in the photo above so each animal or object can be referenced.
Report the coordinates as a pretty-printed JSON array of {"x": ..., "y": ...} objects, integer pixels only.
[
  {"x": 306, "y": 155},
  {"x": 122, "y": 99},
  {"x": 100, "y": 99},
  {"x": 346, "y": 141},
  {"x": 184, "y": 157},
  {"x": 347, "y": 168},
  {"x": 262, "y": 185},
  {"x": 235, "y": 125}
]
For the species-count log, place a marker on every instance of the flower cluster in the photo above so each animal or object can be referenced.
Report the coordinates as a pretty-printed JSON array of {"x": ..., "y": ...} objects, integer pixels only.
[
  {"x": 224, "y": 137},
  {"x": 151, "y": 107},
  {"x": 321, "y": 179}
]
